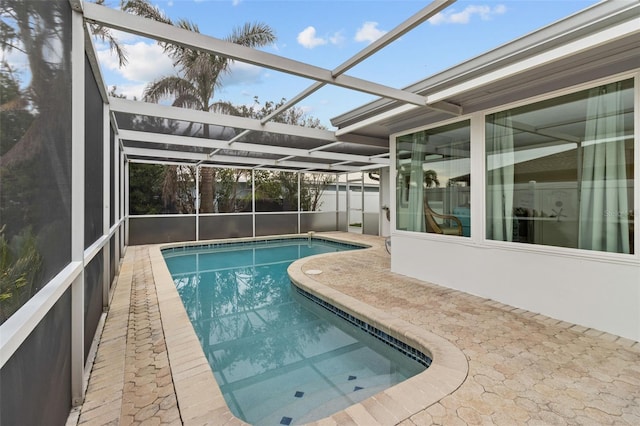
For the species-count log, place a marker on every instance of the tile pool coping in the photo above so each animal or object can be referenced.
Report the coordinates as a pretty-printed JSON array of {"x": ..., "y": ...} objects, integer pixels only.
[{"x": 200, "y": 398}]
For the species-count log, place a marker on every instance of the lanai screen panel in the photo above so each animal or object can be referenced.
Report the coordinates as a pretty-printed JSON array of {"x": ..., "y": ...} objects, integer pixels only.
[{"x": 93, "y": 158}]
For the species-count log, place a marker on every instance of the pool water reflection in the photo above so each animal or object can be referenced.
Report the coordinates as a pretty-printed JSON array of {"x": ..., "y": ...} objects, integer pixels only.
[{"x": 278, "y": 357}]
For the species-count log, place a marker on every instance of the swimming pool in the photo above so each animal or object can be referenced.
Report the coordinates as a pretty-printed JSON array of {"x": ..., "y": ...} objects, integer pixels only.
[{"x": 278, "y": 357}]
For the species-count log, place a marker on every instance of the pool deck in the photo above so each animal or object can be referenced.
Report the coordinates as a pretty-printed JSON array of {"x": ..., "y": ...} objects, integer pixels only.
[{"x": 493, "y": 363}]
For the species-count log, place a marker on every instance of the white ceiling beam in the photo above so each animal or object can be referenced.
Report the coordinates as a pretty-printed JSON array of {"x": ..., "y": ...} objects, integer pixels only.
[
  {"x": 327, "y": 146},
  {"x": 134, "y": 135},
  {"x": 418, "y": 18},
  {"x": 206, "y": 117},
  {"x": 129, "y": 23},
  {"x": 259, "y": 162},
  {"x": 375, "y": 119},
  {"x": 365, "y": 168}
]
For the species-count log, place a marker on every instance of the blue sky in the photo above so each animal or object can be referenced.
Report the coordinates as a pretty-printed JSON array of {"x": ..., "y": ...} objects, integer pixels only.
[{"x": 325, "y": 33}]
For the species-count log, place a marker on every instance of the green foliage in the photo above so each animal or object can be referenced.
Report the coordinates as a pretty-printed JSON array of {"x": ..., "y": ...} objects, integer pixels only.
[
  {"x": 232, "y": 193},
  {"x": 20, "y": 266},
  {"x": 312, "y": 186},
  {"x": 276, "y": 190},
  {"x": 178, "y": 189},
  {"x": 145, "y": 188},
  {"x": 294, "y": 115}
]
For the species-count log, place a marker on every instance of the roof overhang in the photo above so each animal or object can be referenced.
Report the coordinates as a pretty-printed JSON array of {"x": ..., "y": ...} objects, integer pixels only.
[{"x": 601, "y": 41}]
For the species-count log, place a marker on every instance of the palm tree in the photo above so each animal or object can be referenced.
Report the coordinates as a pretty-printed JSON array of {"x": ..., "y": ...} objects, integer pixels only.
[
  {"x": 106, "y": 34},
  {"x": 431, "y": 179},
  {"x": 199, "y": 76}
]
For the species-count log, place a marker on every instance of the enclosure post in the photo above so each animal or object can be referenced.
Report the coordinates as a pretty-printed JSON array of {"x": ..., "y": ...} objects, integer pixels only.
[
  {"x": 253, "y": 201},
  {"x": 337, "y": 175},
  {"x": 299, "y": 196},
  {"x": 197, "y": 206},
  {"x": 116, "y": 199},
  {"x": 77, "y": 205},
  {"x": 362, "y": 201},
  {"x": 126, "y": 203},
  {"x": 106, "y": 200}
]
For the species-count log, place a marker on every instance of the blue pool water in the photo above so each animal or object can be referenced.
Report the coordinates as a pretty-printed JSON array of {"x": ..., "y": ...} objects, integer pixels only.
[{"x": 278, "y": 357}]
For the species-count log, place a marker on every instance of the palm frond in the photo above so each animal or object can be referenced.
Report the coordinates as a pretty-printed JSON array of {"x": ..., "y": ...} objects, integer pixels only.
[
  {"x": 145, "y": 9},
  {"x": 254, "y": 34},
  {"x": 188, "y": 25},
  {"x": 205, "y": 68},
  {"x": 188, "y": 100},
  {"x": 224, "y": 107},
  {"x": 105, "y": 34},
  {"x": 167, "y": 87}
]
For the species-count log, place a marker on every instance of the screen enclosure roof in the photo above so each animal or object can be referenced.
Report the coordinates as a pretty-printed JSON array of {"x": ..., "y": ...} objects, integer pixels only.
[{"x": 598, "y": 42}]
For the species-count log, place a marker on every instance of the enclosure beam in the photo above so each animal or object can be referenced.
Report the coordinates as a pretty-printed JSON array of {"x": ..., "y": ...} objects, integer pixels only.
[
  {"x": 206, "y": 117},
  {"x": 188, "y": 141},
  {"x": 241, "y": 161},
  {"x": 171, "y": 34}
]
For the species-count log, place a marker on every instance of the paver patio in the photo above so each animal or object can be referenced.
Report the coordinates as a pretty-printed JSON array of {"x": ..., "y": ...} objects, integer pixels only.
[{"x": 523, "y": 368}]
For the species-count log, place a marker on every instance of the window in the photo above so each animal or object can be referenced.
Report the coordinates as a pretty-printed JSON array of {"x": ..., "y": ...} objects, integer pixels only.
[
  {"x": 433, "y": 180},
  {"x": 560, "y": 172}
]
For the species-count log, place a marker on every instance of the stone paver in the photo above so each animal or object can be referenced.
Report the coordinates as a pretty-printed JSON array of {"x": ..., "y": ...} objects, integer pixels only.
[
  {"x": 130, "y": 382},
  {"x": 523, "y": 368}
]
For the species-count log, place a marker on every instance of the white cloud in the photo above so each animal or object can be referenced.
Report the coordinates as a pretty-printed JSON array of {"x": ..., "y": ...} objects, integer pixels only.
[
  {"x": 369, "y": 32},
  {"x": 307, "y": 38},
  {"x": 337, "y": 38},
  {"x": 484, "y": 12},
  {"x": 147, "y": 62},
  {"x": 130, "y": 90}
]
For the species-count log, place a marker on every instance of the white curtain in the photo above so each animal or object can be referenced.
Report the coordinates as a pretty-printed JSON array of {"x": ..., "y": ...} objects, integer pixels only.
[
  {"x": 604, "y": 204},
  {"x": 500, "y": 178},
  {"x": 416, "y": 184}
]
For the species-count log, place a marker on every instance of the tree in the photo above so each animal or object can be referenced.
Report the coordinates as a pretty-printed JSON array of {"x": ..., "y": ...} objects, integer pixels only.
[
  {"x": 15, "y": 119},
  {"x": 431, "y": 179},
  {"x": 312, "y": 187},
  {"x": 198, "y": 77},
  {"x": 106, "y": 34},
  {"x": 278, "y": 190},
  {"x": 145, "y": 187},
  {"x": 35, "y": 160}
]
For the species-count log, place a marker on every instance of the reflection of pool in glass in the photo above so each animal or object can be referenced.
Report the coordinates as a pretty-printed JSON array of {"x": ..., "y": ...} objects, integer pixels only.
[{"x": 278, "y": 357}]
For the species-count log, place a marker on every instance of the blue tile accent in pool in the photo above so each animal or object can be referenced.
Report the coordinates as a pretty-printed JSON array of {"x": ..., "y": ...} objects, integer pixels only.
[
  {"x": 399, "y": 345},
  {"x": 285, "y": 421},
  {"x": 188, "y": 248}
]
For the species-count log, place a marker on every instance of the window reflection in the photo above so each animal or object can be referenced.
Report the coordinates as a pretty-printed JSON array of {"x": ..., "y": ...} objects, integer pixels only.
[
  {"x": 433, "y": 180},
  {"x": 560, "y": 172}
]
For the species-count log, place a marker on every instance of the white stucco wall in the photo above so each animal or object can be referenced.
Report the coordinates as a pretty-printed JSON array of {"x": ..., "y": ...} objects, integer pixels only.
[{"x": 586, "y": 289}]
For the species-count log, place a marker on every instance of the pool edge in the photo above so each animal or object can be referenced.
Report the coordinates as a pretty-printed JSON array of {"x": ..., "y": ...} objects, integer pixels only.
[
  {"x": 201, "y": 401},
  {"x": 449, "y": 366}
]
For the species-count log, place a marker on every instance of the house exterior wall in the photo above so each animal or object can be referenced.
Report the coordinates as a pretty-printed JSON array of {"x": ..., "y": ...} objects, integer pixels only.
[
  {"x": 591, "y": 288},
  {"x": 595, "y": 293}
]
